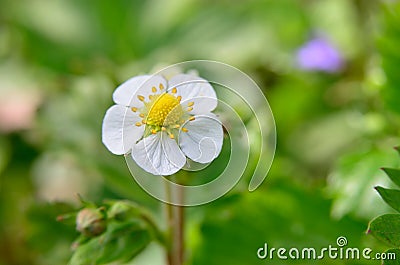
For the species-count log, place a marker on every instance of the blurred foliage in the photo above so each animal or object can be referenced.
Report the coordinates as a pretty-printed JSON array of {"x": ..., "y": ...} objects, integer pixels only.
[
  {"x": 390, "y": 55},
  {"x": 264, "y": 213},
  {"x": 351, "y": 193},
  {"x": 334, "y": 129}
]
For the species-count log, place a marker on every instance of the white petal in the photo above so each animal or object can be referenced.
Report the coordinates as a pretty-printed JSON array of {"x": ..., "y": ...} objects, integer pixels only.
[
  {"x": 158, "y": 154},
  {"x": 194, "y": 89},
  {"x": 203, "y": 141},
  {"x": 119, "y": 131},
  {"x": 126, "y": 94}
]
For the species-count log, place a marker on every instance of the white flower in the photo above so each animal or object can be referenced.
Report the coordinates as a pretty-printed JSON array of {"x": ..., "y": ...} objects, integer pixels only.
[{"x": 162, "y": 122}]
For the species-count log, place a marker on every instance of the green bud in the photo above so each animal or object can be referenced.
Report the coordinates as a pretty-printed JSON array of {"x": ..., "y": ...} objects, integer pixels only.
[{"x": 91, "y": 222}]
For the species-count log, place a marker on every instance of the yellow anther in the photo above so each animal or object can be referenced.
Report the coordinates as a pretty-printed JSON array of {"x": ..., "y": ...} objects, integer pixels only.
[
  {"x": 190, "y": 109},
  {"x": 153, "y": 131},
  {"x": 173, "y": 91},
  {"x": 190, "y": 104},
  {"x": 179, "y": 98},
  {"x": 192, "y": 118},
  {"x": 171, "y": 136},
  {"x": 163, "y": 129},
  {"x": 143, "y": 121},
  {"x": 154, "y": 89},
  {"x": 138, "y": 124},
  {"x": 151, "y": 97},
  {"x": 177, "y": 126},
  {"x": 134, "y": 109},
  {"x": 141, "y": 115},
  {"x": 140, "y": 97},
  {"x": 185, "y": 130},
  {"x": 161, "y": 86}
]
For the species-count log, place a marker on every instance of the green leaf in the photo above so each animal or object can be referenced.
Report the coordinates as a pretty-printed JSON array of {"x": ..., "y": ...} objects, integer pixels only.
[
  {"x": 351, "y": 181},
  {"x": 392, "y": 257},
  {"x": 386, "y": 228},
  {"x": 390, "y": 196},
  {"x": 393, "y": 174},
  {"x": 122, "y": 241}
]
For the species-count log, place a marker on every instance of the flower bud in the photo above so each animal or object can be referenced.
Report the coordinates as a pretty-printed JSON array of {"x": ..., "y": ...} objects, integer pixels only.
[{"x": 90, "y": 222}]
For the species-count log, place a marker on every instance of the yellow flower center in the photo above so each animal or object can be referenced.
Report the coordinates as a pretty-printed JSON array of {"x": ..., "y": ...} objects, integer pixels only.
[{"x": 164, "y": 110}]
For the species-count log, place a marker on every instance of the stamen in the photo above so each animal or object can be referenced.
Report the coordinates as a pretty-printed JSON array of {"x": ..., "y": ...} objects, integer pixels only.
[
  {"x": 143, "y": 121},
  {"x": 190, "y": 109},
  {"x": 163, "y": 110},
  {"x": 138, "y": 124},
  {"x": 190, "y": 104},
  {"x": 140, "y": 97},
  {"x": 177, "y": 126},
  {"x": 161, "y": 86},
  {"x": 153, "y": 131},
  {"x": 185, "y": 130},
  {"x": 151, "y": 97},
  {"x": 163, "y": 129},
  {"x": 192, "y": 118},
  {"x": 154, "y": 89},
  {"x": 134, "y": 109},
  {"x": 141, "y": 115},
  {"x": 179, "y": 98},
  {"x": 171, "y": 136},
  {"x": 173, "y": 91}
]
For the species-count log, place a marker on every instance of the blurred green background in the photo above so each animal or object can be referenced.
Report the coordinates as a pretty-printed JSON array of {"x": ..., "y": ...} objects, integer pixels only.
[{"x": 61, "y": 60}]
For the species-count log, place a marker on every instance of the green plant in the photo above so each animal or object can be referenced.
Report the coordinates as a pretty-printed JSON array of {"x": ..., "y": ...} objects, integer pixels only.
[
  {"x": 386, "y": 227},
  {"x": 118, "y": 230}
]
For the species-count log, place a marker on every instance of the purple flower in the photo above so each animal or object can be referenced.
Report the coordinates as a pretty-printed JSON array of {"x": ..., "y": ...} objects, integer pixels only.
[{"x": 319, "y": 54}]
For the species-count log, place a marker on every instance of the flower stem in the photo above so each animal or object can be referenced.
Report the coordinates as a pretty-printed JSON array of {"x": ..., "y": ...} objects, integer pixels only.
[
  {"x": 176, "y": 225},
  {"x": 170, "y": 228},
  {"x": 180, "y": 226}
]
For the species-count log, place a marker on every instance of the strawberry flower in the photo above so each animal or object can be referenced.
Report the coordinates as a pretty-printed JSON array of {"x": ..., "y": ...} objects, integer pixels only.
[{"x": 161, "y": 123}]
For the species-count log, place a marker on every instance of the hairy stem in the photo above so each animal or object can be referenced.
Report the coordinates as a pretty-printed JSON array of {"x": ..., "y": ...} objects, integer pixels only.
[
  {"x": 180, "y": 227},
  {"x": 170, "y": 228},
  {"x": 176, "y": 225}
]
